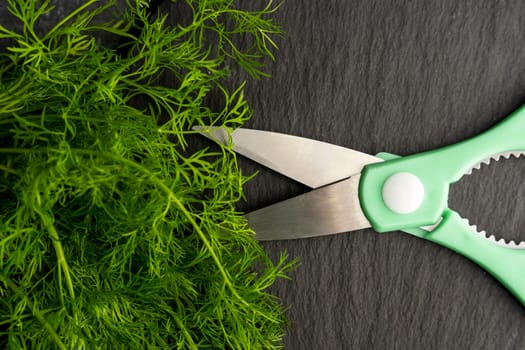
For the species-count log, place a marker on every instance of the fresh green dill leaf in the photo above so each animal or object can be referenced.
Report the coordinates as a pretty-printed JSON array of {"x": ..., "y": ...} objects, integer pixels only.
[{"x": 116, "y": 232}]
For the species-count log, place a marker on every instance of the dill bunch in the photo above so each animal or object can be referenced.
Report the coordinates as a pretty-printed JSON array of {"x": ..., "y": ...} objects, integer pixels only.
[{"x": 114, "y": 232}]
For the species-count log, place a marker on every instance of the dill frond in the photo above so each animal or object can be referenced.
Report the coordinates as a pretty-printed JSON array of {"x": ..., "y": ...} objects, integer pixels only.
[{"x": 114, "y": 232}]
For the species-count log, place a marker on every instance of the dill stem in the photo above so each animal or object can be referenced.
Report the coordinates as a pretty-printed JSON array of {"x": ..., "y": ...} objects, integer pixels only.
[
  {"x": 9, "y": 170},
  {"x": 187, "y": 335},
  {"x": 69, "y": 17},
  {"x": 61, "y": 258},
  {"x": 35, "y": 312},
  {"x": 20, "y": 150}
]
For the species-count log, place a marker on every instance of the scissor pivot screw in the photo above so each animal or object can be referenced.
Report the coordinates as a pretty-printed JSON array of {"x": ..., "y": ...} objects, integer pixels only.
[{"x": 403, "y": 193}]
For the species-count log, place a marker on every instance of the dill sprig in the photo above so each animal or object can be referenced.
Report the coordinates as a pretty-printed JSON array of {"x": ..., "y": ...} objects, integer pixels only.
[{"x": 114, "y": 232}]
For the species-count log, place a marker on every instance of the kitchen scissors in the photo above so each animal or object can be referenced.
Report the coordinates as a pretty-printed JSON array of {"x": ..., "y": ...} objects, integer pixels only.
[{"x": 354, "y": 190}]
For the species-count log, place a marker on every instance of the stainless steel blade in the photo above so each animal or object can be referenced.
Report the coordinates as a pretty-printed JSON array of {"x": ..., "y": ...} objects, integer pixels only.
[
  {"x": 327, "y": 210},
  {"x": 311, "y": 162}
]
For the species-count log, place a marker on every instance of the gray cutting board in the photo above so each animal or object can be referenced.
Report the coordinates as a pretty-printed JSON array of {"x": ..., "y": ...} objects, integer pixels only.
[{"x": 402, "y": 77}]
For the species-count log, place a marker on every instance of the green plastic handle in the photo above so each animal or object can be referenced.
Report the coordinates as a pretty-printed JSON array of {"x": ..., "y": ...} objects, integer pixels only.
[
  {"x": 506, "y": 264},
  {"x": 436, "y": 170}
]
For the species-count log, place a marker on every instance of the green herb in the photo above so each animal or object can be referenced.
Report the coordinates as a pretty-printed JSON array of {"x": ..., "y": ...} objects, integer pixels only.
[{"x": 114, "y": 232}]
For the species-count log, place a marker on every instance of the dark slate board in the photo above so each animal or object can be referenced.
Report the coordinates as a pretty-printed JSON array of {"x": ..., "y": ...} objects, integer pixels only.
[{"x": 402, "y": 77}]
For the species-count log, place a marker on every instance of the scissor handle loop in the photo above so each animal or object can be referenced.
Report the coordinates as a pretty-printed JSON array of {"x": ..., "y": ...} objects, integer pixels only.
[
  {"x": 436, "y": 170},
  {"x": 506, "y": 264}
]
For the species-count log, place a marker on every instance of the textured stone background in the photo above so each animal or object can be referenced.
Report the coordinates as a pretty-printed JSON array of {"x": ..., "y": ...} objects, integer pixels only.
[{"x": 404, "y": 77}]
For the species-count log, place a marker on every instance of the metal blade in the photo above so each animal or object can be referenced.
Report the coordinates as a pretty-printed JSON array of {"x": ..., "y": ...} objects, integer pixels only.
[
  {"x": 311, "y": 162},
  {"x": 331, "y": 209}
]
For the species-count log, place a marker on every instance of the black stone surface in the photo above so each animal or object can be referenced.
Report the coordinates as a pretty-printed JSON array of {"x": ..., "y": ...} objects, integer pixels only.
[{"x": 402, "y": 77}]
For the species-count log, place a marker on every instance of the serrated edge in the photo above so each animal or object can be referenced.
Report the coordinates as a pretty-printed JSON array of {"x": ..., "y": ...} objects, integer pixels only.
[
  {"x": 483, "y": 234},
  {"x": 492, "y": 238},
  {"x": 495, "y": 157}
]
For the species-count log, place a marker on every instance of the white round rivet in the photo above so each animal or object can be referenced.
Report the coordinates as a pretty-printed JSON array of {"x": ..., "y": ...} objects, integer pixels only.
[{"x": 403, "y": 193}]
